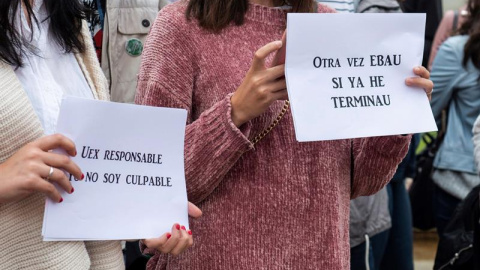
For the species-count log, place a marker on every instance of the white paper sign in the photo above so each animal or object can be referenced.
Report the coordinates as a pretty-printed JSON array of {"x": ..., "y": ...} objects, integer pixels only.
[
  {"x": 346, "y": 75},
  {"x": 132, "y": 158}
]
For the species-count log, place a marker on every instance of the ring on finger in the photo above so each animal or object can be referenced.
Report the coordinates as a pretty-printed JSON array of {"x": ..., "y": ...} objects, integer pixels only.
[{"x": 50, "y": 173}]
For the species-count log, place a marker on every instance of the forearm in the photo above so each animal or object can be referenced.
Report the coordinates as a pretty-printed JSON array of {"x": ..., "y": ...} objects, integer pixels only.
[
  {"x": 375, "y": 162},
  {"x": 213, "y": 144}
]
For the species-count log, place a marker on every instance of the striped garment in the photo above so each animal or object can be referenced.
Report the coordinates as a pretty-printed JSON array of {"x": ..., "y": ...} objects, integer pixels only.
[{"x": 340, "y": 5}]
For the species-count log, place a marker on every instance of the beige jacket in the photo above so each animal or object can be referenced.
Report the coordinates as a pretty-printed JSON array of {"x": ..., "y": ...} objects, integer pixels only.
[
  {"x": 125, "y": 20},
  {"x": 21, "y": 245}
]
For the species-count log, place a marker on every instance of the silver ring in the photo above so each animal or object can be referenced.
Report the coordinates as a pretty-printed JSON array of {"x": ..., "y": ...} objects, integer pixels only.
[{"x": 50, "y": 173}]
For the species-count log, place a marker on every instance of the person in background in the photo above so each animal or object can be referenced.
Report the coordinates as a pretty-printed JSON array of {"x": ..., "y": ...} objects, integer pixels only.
[
  {"x": 455, "y": 73},
  {"x": 433, "y": 9},
  {"x": 119, "y": 29},
  {"x": 377, "y": 6},
  {"x": 277, "y": 203},
  {"x": 127, "y": 23},
  {"x": 398, "y": 251},
  {"x": 476, "y": 142},
  {"x": 341, "y": 6},
  {"x": 94, "y": 15},
  {"x": 450, "y": 24}
]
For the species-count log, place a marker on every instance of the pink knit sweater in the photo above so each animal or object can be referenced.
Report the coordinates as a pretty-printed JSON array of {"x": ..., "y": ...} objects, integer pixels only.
[{"x": 279, "y": 204}]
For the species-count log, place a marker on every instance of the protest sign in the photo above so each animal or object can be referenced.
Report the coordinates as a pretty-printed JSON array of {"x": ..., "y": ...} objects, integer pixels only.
[
  {"x": 346, "y": 75},
  {"x": 132, "y": 159}
]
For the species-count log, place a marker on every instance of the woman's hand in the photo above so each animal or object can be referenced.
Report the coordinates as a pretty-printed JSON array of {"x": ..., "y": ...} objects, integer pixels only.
[
  {"x": 260, "y": 87},
  {"x": 178, "y": 240},
  {"x": 422, "y": 82},
  {"x": 34, "y": 169}
]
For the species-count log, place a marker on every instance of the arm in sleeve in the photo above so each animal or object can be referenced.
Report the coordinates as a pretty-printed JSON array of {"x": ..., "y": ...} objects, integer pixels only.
[
  {"x": 375, "y": 161},
  {"x": 444, "y": 31},
  {"x": 213, "y": 144},
  {"x": 412, "y": 161},
  {"x": 476, "y": 142},
  {"x": 446, "y": 66},
  {"x": 105, "y": 50}
]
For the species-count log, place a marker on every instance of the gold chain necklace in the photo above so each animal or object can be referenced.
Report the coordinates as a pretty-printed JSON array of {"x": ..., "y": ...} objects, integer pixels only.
[{"x": 275, "y": 122}]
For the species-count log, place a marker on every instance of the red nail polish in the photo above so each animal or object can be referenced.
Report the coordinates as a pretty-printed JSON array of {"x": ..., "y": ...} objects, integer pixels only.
[
  {"x": 190, "y": 232},
  {"x": 83, "y": 176},
  {"x": 72, "y": 190},
  {"x": 75, "y": 153},
  {"x": 61, "y": 200},
  {"x": 168, "y": 236},
  {"x": 183, "y": 228},
  {"x": 177, "y": 226}
]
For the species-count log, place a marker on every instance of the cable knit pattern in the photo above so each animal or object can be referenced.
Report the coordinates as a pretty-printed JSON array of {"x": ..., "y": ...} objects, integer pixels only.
[
  {"x": 22, "y": 246},
  {"x": 279, "y": 204}
]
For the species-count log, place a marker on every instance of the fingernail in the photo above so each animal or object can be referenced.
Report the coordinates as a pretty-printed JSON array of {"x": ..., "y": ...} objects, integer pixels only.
[
  {"x": 190, "y": 232},
  {"x": 417, "y": 69},
  {"x": 279, "y": 43},
  {"x": 183, "y": 228},
  {"x": 72, "y": 190},
  {"x": 83, "y": 176},
  {"x": 408, "y": 81},
  {"x": 168, "y": 236},
  {"x": 61, "y": 200},
  {"x": 177, "y": 226},
  {"x": 75, "y": 154}
]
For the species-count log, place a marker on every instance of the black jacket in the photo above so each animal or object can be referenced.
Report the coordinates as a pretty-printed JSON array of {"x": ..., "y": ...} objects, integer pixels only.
[{"x": 433, "y": 8}]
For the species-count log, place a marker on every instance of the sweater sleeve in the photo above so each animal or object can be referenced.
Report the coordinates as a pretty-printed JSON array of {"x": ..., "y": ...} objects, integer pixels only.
[
  {"x": 375, "y": 161},
  {"x": 213, "y": 144}
]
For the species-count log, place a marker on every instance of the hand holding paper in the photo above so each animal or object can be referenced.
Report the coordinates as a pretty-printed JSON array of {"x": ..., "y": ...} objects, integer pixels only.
[
  {"x": 422, "y": 82},
  {"x": 34, "y": 169},
  {"x": 134, "y": 185},
  {"x": 178, "y": 240},
  {"x": 260, "y": 88}
]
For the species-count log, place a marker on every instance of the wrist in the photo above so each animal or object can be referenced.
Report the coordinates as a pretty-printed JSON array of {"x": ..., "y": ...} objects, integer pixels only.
[{"x": 238, "y": 118}]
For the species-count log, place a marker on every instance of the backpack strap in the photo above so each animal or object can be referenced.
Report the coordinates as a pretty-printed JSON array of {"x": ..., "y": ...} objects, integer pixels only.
[{"x": 455, "y": 21}]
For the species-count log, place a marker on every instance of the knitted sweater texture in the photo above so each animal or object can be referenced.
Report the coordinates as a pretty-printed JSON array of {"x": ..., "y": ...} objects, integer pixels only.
[
  {"x": 21, "y": 245},
  {"x": 278, "y": 204}
]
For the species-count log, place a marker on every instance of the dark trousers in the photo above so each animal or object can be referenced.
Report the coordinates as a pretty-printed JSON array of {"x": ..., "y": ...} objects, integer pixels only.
[
  {"x": 376, "y": 249},
  {"x": 399, "y": 249},
  {"x": 444, "y": 205},
  {"x": 134, "y": 260}
]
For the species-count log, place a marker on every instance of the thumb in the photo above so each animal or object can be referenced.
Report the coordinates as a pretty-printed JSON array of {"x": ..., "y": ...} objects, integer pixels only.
[{"x": 194, "y": 211}]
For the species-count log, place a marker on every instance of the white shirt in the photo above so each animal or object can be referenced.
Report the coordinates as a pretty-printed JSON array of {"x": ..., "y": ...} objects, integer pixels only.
[
  {"x": 342, "y": 6},
  {"x": 49, "y": 73}
]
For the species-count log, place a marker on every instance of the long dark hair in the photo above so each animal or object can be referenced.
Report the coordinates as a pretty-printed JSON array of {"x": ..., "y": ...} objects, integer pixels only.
[
  {"x": 215, "y": 15},
  {"x": 471, "y": 27},
  {"x": 65, "y": 26}
]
